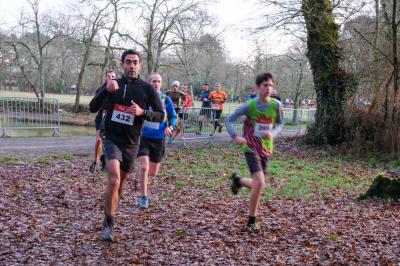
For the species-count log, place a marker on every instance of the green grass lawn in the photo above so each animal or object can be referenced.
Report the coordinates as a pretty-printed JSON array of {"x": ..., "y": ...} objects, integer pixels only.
[
  {"x": 287, "y": 176},
  {"x": 62, "y": 98}
]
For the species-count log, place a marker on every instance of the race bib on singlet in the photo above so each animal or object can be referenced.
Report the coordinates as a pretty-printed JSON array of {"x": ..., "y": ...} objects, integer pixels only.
[
  {"x": 262, "y": 124},
  {"x": 152, "y": 125},
  {"x": 175, "y": 105},
  {"x": 120, "y": 115},
  {"x": 215, "y": 106}
]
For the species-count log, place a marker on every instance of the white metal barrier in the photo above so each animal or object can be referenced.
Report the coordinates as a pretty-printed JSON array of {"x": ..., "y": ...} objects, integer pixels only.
[
  {"x": 29, "y": 113},
  {"x": 197, "y": 123}
]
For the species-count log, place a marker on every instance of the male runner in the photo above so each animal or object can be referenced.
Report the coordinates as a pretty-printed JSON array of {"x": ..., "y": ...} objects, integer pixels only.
[
  {"x": 110, "y": 74},
  {"x": 205, "y": 105},
  {"x": 217, "y": 98},
  {"x": 179, "y": 100},
  {"x": 129, "y": 100}
]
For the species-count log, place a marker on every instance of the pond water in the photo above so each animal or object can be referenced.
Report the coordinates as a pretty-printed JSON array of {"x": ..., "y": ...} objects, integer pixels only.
[{"x": 65, "y": 131}]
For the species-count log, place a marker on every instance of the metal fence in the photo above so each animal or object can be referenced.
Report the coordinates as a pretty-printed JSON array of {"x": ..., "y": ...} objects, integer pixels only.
[
  {"x": 198, "y": 123},
  {"x": 29, "y": 113}
]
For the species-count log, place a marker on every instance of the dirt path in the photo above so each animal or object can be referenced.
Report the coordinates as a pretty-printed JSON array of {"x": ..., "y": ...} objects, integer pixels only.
[{"x": 43, "y": 146}]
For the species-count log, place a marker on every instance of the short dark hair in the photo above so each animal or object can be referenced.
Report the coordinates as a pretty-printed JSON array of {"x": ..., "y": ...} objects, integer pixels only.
[
  {"x": 129, "y": 51},
  {"x": 111, "y": 71},
  {"x": 206, "y": 83},
  {"x": 263, "y": 77}
]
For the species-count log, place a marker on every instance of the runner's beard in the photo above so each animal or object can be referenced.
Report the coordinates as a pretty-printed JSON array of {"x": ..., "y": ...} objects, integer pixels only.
[{"x": 131, "y": 75}]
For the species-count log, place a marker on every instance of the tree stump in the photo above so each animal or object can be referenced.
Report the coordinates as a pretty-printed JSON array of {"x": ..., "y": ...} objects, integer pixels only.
[{"x": 385, "y": 186}]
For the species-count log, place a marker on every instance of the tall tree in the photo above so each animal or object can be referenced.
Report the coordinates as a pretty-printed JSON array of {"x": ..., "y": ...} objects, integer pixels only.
[
  {"x": 333, "y": 85},
  {"x": 40, "y": 29},
  {"x": 160, "y": 18},
  {"x": 92, "y": 25}
]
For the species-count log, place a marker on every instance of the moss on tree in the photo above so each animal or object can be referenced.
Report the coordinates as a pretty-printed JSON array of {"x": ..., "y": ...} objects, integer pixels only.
[{"x": 333, "y": 85}]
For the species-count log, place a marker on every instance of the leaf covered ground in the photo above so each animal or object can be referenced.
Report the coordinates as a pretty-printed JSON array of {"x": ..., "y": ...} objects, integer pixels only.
[{"x": 51, "y": 212}]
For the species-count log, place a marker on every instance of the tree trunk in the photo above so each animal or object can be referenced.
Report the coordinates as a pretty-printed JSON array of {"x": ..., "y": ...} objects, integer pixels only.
[
  {"x": 395, "y": 64},
  {"x": 385, "y": 186},
  {"x": 22, "y": 68},
  {"x": 80, "y": 78},
  {"x": 333, "y": 85},
  {"x": 299, "y": 85}
]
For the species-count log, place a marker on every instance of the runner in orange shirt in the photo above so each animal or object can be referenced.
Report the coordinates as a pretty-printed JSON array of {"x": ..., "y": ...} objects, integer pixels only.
[
  {"x": 188, "y": 102},
  {"x": 217, "y": 98}
]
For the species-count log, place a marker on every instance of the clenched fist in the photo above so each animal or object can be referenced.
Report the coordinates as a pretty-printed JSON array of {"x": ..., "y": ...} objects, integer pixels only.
[
  {"x": 135, "y": 109},
  {"x": 112, "y": 85}
]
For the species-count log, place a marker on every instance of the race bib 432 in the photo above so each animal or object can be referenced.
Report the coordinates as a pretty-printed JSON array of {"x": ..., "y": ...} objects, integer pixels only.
[{"x": 121, "y": 115}]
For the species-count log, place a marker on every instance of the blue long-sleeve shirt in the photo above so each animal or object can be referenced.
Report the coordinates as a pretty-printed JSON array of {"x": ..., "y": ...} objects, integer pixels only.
[
  {"x": 204, "y": 95},
  {"x": 155, "y": 130}
]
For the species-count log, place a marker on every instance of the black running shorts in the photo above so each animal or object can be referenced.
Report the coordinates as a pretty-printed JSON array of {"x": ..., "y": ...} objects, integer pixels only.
[
  {"x": 154, "y": 148},
  {"x": 126, "y": 154},
  {"x": 256, "y": 163}
]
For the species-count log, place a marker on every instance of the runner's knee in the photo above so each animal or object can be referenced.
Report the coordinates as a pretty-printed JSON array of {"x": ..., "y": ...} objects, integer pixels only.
[
  {"x": 114, "y": 180},
  {"x": 259, "y": 181},
  {"x": 99, "y": 141},
  {"x": 144, "y": 164}
]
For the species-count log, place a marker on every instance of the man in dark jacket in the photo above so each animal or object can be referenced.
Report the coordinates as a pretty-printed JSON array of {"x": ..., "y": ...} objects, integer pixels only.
[
  {"x": 205, "y": 106},
  {"x": 130, "y": 101}
]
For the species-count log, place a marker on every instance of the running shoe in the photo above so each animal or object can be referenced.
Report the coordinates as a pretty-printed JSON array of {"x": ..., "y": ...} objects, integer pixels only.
[
  {"x": 144, "y": 202},
  {"x": 235, "y": 183},
  {"x": 103, "y": 163},
  {"x": 253, "y": 228},
  {"x": 107, "y": 234},
  {"x": 93, "y": 167}
]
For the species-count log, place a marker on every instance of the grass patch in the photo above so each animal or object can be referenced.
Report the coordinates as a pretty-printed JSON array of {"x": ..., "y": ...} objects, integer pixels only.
[
  {"x": 69, "y": 156},
  {"x": 8, "y": 160},
  {"x": 182, "y": 232},
  {"x": 180, "y": 185},
  {"x": 45, "y": 160},
  {"x": 290, "y": 177},
  {"x": 333, "y": 237},
  {"x": 15, "y": 194}
]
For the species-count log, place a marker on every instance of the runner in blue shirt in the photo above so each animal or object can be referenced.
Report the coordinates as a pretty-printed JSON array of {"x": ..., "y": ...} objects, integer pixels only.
[{"x": 152, "y": 143}]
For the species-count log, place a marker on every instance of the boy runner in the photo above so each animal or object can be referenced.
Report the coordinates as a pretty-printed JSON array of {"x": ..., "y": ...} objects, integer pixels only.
[{"x": 263, "y": 122}]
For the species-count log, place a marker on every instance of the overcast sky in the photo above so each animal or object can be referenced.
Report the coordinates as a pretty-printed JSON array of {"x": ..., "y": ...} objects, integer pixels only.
[{"x": 234, "y": 17}]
